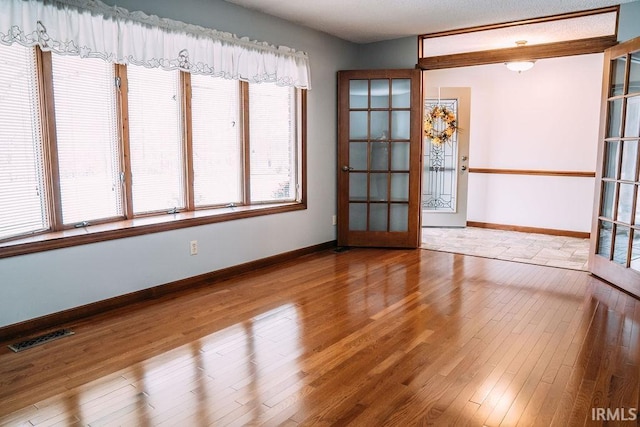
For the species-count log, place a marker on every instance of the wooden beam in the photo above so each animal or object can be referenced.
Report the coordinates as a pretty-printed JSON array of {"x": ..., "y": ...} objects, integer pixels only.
[
  {"x": 551, "y": 18},
  {"x": 520, "y": 53}
]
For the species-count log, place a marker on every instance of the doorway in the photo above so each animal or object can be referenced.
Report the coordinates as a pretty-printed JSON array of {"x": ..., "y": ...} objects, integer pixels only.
[{"x": 445, "y": 162}]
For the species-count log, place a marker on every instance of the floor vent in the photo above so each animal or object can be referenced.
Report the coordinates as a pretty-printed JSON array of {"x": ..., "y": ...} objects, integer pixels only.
[{"x": 42, "y": 339}]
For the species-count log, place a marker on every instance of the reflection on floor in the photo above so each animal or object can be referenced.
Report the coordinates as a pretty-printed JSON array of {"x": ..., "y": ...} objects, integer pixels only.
[{"x": 540, "y": 249}]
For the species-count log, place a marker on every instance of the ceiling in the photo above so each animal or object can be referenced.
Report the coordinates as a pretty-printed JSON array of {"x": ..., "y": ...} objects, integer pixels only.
[{"x": 366, "y": 21}]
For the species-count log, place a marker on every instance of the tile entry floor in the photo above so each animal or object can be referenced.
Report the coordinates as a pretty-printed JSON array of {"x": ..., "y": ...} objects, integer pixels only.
[{"x": 531, "y": 248}]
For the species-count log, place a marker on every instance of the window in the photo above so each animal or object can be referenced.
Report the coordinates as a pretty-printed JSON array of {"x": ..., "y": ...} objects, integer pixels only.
[
  {"x": 155, "y": 140},
  {"x": 86, "y": 139},
  {"x": 217, "y": 149},
  {"x": 22, "y": 192},
  {"x": 101, "y": 143},
  {"x": 272, "y": 119}
]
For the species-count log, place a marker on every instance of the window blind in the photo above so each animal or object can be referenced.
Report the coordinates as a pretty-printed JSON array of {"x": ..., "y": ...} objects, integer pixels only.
[
  {"x": 272, "y": 142},
  {"x": 22, "y": 195},
  {"x": 86, "y": 134},
  {"x": 155, "y": 140},
  {"x": 217, "y": 153}
]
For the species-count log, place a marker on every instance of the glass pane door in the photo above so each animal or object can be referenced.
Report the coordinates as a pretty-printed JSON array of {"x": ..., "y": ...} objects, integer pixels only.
[
  {"x": 377, "y": 137},
  {"x": 379, "y": 132},
  {"x": 616, "y": 234}
]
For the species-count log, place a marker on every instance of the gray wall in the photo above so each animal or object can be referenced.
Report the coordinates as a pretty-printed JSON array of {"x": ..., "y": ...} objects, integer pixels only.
[
  {"x": 629, "y": 22},
  {"x": 398, "y": 53},
  {"x": 38, "y": 284}
]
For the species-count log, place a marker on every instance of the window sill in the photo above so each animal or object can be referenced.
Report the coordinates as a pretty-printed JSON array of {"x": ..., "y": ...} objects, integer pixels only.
[{"x": 137, "y": 227}]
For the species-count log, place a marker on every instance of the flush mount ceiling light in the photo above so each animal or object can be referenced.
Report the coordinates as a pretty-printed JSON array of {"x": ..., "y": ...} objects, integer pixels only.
[{"x": 520, "y": 66}]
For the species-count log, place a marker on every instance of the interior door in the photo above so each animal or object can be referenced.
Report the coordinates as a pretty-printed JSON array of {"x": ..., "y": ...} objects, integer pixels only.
[
  {"x": 379, "y": 137},
  {"x": 615, "y": 234},
  {"x": 445, "y": 166}
]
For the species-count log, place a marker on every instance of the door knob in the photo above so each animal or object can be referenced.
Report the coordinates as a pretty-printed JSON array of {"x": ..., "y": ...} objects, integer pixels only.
[{"x": 347, "y": 168}]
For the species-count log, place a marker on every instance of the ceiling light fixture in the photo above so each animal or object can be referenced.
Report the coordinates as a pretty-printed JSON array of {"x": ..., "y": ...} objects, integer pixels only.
[{"x": 520, "y": 66}]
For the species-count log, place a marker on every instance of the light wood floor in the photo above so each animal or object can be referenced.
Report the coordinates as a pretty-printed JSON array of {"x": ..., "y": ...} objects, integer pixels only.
[{"x": 365, "y": 337}]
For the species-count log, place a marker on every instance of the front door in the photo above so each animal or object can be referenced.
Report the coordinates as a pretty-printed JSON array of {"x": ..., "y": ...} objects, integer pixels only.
[
  {"x": 379, "y": 137},
  {"x": 445, "y": 164},
  {"x": 615, "y": 234}
]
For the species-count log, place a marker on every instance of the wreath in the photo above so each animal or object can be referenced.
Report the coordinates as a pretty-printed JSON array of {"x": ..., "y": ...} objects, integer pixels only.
[{"x": 433, "y": 131}]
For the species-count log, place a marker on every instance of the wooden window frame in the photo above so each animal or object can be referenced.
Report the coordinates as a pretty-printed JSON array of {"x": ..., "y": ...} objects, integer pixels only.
[{"x": 62, "y": 236}]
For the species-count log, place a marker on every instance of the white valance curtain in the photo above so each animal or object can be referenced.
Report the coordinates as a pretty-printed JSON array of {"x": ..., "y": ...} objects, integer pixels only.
[{"x": 90, "y": 28}]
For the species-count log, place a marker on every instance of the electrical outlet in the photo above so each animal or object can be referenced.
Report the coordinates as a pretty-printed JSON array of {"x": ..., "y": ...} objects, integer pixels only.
[
  {"x": 334, "y": 220},
  {"x": 193, "y": 246}
]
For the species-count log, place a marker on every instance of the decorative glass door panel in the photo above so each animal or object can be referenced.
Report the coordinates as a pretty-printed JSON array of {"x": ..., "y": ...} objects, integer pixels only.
[
  {"x": 447, "y": 118},
  {"x": 379, "y": 158},
  {"x": 616, "y": 229},
  {"x": 439, "y": 189}
]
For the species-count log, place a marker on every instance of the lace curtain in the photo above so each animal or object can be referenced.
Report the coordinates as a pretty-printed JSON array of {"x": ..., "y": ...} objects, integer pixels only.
[{"x": 90, "y": 28}]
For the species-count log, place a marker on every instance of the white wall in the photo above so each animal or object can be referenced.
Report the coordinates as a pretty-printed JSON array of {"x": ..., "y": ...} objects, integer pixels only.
[
  {"x": 543, "y": 119},
  {"x": 42, "y": 283}
]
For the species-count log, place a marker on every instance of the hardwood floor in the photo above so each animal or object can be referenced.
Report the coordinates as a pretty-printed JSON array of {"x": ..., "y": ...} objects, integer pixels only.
[{"x": 366, "y": 337}]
